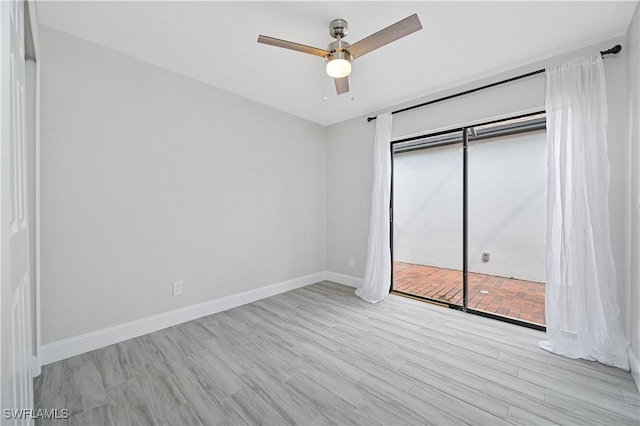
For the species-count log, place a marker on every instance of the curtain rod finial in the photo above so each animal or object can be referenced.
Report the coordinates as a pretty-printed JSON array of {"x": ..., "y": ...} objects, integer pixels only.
[{"x": 613, "y": 51}]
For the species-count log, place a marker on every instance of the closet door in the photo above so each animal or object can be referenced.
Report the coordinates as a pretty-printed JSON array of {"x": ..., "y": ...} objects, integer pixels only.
[{"x": 16, "y": 332}]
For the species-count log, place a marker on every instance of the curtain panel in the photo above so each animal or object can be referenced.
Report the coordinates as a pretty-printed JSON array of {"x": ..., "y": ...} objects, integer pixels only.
[
  {"x": 582, "y": 313},
  {"x": 377, "y": 276}
]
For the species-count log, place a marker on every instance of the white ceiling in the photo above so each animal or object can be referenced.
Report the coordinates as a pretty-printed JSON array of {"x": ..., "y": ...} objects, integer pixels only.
[{"x": 215, "y": 42}]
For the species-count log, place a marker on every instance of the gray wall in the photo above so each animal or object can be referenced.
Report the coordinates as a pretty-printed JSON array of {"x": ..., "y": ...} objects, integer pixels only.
[
  {"x": 150, "y": 177},
  {"x": 633, "y": 99},
  {"x": 350, "y": 155}
]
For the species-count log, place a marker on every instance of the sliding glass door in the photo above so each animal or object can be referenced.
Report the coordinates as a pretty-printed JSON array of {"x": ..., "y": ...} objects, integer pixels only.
[
  {"x": 507, "y": 225},
  {"x": 468, "y": 218},
  {"x": 427, "y": 241}
]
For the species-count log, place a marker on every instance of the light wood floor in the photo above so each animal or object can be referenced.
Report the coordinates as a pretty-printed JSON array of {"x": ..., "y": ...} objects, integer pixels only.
[{"x": 320, "y": 355}]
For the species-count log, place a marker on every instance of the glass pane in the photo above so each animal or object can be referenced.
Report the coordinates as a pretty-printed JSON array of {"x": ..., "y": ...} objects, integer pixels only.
[
  {"x": 507, "y": 225},
  {"x": 427, "y": 223}
]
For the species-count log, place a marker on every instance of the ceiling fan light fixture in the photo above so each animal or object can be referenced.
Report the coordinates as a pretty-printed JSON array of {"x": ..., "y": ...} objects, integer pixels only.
[
  {"x": 338, "y": 68},
  {"x": 339, "y": 64}
]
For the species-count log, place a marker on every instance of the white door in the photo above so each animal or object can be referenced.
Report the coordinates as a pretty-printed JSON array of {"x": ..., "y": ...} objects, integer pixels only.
[{"x": 15, "y": 297}]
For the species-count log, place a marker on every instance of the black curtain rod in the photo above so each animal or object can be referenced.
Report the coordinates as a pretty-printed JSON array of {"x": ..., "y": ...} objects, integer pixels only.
[{"x": 613, "y": 51}]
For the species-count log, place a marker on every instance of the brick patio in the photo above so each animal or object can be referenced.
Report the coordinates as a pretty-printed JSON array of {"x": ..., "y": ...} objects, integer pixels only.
[{"x": 513, "y": 298}]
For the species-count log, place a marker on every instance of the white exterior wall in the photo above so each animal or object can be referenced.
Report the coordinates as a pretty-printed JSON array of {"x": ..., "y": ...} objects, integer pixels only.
[{"x": 507, "y": 206}]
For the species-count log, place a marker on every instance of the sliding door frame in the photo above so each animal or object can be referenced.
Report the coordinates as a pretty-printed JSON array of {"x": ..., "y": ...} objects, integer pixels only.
[{"x": 464, "y": 131}]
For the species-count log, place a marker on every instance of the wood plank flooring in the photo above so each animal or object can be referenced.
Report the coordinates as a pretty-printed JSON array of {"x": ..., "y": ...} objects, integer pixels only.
[{"x": 320, "y": 355}]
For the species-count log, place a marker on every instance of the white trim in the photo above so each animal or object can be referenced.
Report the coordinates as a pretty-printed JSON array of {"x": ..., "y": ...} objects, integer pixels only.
[
  {"x": 635, "y": 367},
  {"x": 38, "y": 348},
  {"x": 33, "y": 17},
  {"x": 36, "y": 368},
  {"x": 344, "y": 279},
  {"x": 77, "y": 345}
]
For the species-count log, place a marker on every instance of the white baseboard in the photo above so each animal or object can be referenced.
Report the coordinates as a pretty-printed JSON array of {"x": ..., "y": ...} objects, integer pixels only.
[
  {"x": 77, "y": 345},
  {"x": 635, "y": 367},
  {"x": 344, "y": 279}
]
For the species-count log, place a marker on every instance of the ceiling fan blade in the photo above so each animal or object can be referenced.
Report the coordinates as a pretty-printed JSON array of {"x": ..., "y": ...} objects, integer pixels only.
[
  {"x": 293, "y": 46},
  {"x": 342, "y": 85},
  {"x": 385, "y": 36}
]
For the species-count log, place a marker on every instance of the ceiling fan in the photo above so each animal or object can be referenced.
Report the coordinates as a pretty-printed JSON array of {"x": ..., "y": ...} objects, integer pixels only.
[{"x": 339, "y": 53}]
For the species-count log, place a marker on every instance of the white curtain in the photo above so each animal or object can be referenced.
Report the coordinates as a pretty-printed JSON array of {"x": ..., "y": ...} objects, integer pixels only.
[
  {"x": 377, "y": 275},
  {"x": 583, "y": 317}
]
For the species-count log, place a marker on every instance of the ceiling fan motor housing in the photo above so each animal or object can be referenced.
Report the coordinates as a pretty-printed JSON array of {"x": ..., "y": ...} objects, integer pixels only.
[
  {"x": 339, "y": 50},
  {"x": 339, "y": 58}
]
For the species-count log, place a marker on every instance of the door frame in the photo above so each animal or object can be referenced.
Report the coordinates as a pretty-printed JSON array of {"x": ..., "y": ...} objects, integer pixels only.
[
  {"x": 33, "y": 56},
  {"x": 464, "y": 139}
]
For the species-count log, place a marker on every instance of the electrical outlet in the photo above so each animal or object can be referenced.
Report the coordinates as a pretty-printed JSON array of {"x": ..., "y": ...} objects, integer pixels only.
[
  {"x": 178, "y": 288},
  {"x": 485, "y": 256},
  {"x": 352, "y": 262}
]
